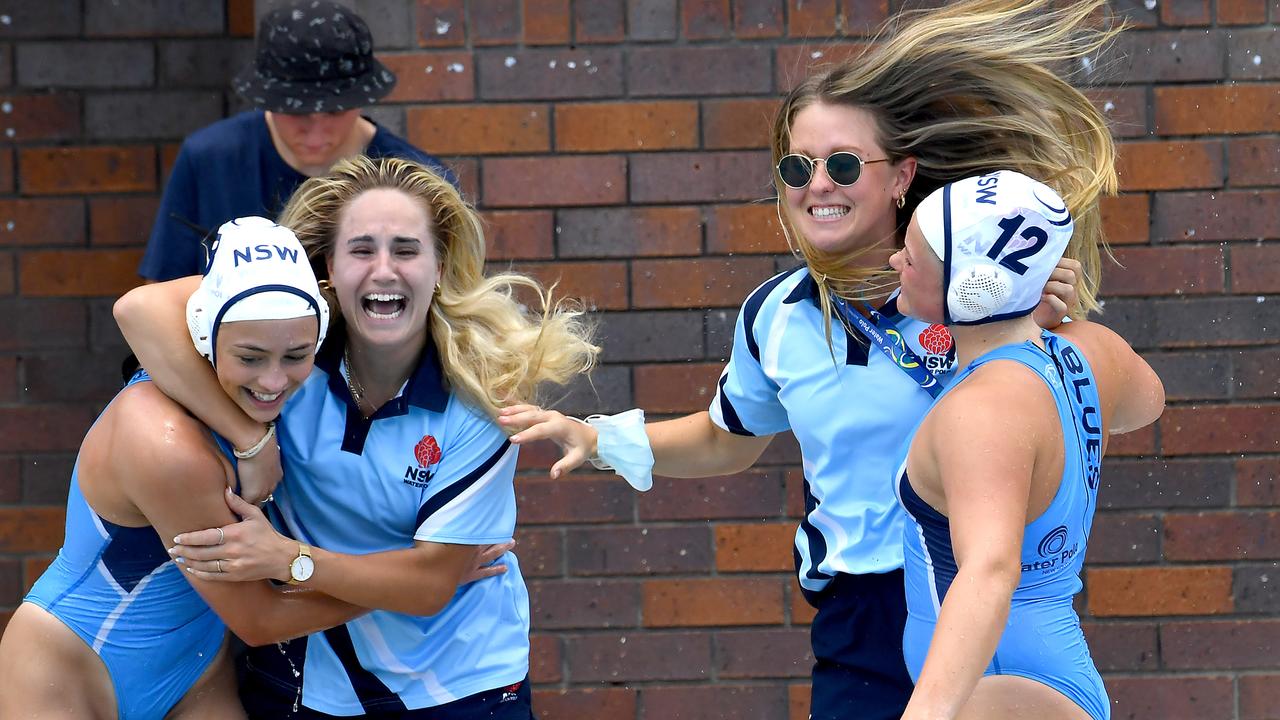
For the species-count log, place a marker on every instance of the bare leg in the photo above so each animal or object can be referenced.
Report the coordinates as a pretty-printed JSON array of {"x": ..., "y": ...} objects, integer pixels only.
[
  {"x": 213, "y": 697},
  {"x": 1011, "y": 696},
  {"x": 48, "y": 673}
]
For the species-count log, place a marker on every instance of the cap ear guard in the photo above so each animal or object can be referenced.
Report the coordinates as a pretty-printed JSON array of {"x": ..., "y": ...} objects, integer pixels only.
[{"x": 978, "y": 291}]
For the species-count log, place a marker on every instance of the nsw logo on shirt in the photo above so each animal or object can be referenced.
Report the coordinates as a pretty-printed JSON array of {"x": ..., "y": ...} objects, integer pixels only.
[{"x": 427, "y": 454}]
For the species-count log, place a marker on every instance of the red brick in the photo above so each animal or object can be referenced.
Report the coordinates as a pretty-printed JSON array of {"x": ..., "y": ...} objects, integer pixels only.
[
  {"x": 29, "y": 118},
  {"x": 1253, "y": 161},
  {"x": 713, "y": 702},
  {"x": 1255, "y": 268},
  {"x": 578, "y": 703},
  {"x": 631, "y": 126},
  {"x": 704, "y": 19},
  {"x": 1138, "y": 442},
  {"x": 639, "y": 551},
  {"x": 573, "y": 74},
  {"x": 629, "y": 232},
  {"x": 1124, "y": 108},
  {"x": 10, "y": 475},
  {"x": 755, "y": 547},
  {"x": 1185, "y": 12},
  {"x": 1207, "y": 429},
  {"x": 432, "y": 76},
  {"x": 6, "y": 170},
  {"x": 798, "y": 702},
  {"x": 1170, "y": 165},
  {"x": 764, "y": 653},
  {"x": 675, "y": 388},
  {"x": 545, "y": 660},
  {"x": 1233, "y": 535},
  {"x": 614, "y": 658},
  {"x": 753, "y": 494},
  {"x": 519, "y": 234},
  {"x": 811, "y": 18},
  {"x": 1163, "y": 698},
  {"x": 11, "y": 586},
  {"x": 38, "y": 428},
  {"x": 1165, "y": 271},
  {"x": 1126, "y": 219},
  {"x": 481, "y": 129},
  {"x": 600, "y": 285},
  {"x": 441, "y": 23},
  {"x": 1217, "y": 110},
  {"x": 600, "y": 21},
  {"x": 33, "y": 566},
  {"x": 701, "y": 282},
  {"x": 494, "y": 22},
  {"x": 737, "y": 124},
  {"x": 1242, "y": 12},
  {"x": 1259, "y": 694},
  {"x": 562, "y": 604},
  {"x": 1123, "y": 646},
  {"x": 70, "y": 171},
  {"x": 579, "y": 180},
  {"x": 1212, "y": 216},
  {"x": 168, "y": 156},
  {"x": 546, "y": 22},
  {"x": 1124, "y": 538},
  {"x": 699, "y": 70},
  {"x": 581, "y": 498},
  {"x": 41, "y": 222},
  {"x": 863, "y": 17},
  {"x": 700, "y": 177},
  {"x": 794, "y": 63},
  {"x": 121, "y": 221},
  {"x": 1219, "y": 644},
  {"x": 240, "y": 21},
  {"x": 540, "y": 551},
  {"x": 1257, "y": 481},
  {"x": 467, "y": 171},
  {"x": 8, "y": 283},
  {"x": 712, "y": 601},
  {"x": 754, "y": 19},
  {"x": 1159, "y": 591},
  {"x": 745, "y": 229},
  {"x": 25, "y": 529},
  {"x": 79, "y": 273}
]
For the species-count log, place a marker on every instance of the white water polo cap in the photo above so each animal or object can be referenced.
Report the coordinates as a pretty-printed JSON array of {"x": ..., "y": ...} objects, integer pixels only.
[
  {"x": 999, "y": 237},
  {"x": 257, "y": 271}
]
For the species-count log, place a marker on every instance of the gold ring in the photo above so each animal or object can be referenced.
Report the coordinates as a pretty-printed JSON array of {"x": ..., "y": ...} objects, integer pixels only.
[
  {"x": 219, "y": 565},
  {"x": 222, "y": 537}
]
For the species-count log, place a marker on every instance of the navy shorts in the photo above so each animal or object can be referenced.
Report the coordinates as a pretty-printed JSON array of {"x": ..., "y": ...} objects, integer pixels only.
[
  {"x": 265, "y": 700},
  {"x": 857, "y": 646}
]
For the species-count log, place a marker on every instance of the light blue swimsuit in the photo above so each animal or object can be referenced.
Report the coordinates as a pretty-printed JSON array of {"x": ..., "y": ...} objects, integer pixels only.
[
  {"x": 118, "y": 590},
  {"x": 1042, "y": 639}
]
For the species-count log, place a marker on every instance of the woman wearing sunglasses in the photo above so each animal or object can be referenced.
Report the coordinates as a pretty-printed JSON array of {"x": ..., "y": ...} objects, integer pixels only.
[{"x": 951, "y": 93}]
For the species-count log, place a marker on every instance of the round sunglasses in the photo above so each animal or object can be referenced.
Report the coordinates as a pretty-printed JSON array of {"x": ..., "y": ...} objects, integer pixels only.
[{"x": 844, "y": 168}]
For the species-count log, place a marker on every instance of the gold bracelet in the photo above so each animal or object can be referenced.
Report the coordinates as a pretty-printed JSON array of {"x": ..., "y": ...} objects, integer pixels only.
[{"x": 257, "y": 447}]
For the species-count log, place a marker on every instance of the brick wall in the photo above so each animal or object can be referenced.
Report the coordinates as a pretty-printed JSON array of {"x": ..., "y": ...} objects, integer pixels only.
[{"x": 618, "y": 145}]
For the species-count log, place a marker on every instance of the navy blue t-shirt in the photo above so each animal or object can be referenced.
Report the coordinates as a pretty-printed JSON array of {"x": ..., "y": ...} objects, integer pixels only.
[{"x": 231, "y": 169}]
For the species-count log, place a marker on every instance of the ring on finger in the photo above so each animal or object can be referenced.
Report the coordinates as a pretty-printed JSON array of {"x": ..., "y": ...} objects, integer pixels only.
[
  {"x": 219, "y": 566},
  {"x": 221, "y": 536}
]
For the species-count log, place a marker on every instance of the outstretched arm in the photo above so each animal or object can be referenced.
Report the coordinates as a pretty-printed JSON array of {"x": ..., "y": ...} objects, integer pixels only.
[
  {"x": 687, "y": 447},
  {"x": 152, "y": 319},
  {"x": 982, "y": 454}
]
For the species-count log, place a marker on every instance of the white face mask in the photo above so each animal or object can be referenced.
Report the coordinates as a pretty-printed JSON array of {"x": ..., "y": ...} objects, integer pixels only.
[{"x": 622, "y": 446}]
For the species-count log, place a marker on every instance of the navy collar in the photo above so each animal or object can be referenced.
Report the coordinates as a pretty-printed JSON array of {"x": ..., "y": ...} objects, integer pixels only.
[
  {"x": 426, "y": 388},
  {"x": 807, "y": 289}
]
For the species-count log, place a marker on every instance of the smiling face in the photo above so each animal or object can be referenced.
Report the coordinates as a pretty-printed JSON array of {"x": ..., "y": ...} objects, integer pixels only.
[
  {"x": 920, "y": 275},
  {"x": 833, "y": 218},
  {"x": 384, "y": 269},
  {"x": 260, "y": 363}
]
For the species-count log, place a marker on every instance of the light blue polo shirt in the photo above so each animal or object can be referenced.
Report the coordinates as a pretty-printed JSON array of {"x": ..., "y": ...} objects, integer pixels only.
[
  {"x": 428, "y": 466},
  {"x": 850, "y": 414}
]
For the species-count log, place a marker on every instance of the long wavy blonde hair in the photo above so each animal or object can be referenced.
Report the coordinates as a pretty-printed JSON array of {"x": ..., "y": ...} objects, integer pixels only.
[
  {"x": 967, "y": 89},
  {"x": 491, "y": 348}
]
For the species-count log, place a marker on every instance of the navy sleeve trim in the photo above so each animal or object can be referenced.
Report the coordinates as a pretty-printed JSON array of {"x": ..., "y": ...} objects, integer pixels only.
[
  {"x": 730, "y": 415},
  {"x": 445, "y": 496},
  {"x": 751, "y": 309}
]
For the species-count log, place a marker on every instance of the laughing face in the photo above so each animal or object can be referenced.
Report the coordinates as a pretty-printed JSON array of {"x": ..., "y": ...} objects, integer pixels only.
[
  {"x": 384, "y": 269},
  {"x": 261, "y": 362},
  {"x": 838, "y": 219}
]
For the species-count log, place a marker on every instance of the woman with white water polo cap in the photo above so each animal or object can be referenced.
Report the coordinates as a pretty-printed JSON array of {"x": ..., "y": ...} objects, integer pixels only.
[
  {"x": 1001, "y": 479},
  {"x": 945, "y": 94},
  {"x": 113, "y": 629},
  {"x": 396, "y": 469}
]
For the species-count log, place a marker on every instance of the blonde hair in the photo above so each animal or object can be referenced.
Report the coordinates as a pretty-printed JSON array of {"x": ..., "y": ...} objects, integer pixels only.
[
  {"x": 491, "y": 349},
  {"x": 968, "y": 89}
]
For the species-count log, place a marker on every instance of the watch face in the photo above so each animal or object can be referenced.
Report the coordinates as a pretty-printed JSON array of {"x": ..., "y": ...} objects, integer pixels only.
[{"x": 301, "y": 568}]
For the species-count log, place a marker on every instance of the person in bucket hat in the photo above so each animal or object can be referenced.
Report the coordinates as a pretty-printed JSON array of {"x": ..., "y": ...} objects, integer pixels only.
[{"x": 312, "y": 72}]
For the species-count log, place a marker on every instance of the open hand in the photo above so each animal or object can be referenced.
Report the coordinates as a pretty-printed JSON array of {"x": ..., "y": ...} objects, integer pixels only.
[
  {"x": 248, "y": 550},
  {"x": 576, "y": 439}
]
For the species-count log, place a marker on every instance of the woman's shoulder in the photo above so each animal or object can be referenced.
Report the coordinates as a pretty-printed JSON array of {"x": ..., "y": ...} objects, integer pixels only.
[{"x": 147, "y": 429}]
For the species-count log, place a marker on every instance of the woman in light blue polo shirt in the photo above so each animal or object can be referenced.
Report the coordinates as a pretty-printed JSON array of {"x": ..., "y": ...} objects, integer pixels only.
[
  {"x": 950, "y": 93},
  {"x": 396, "y": 468}
]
